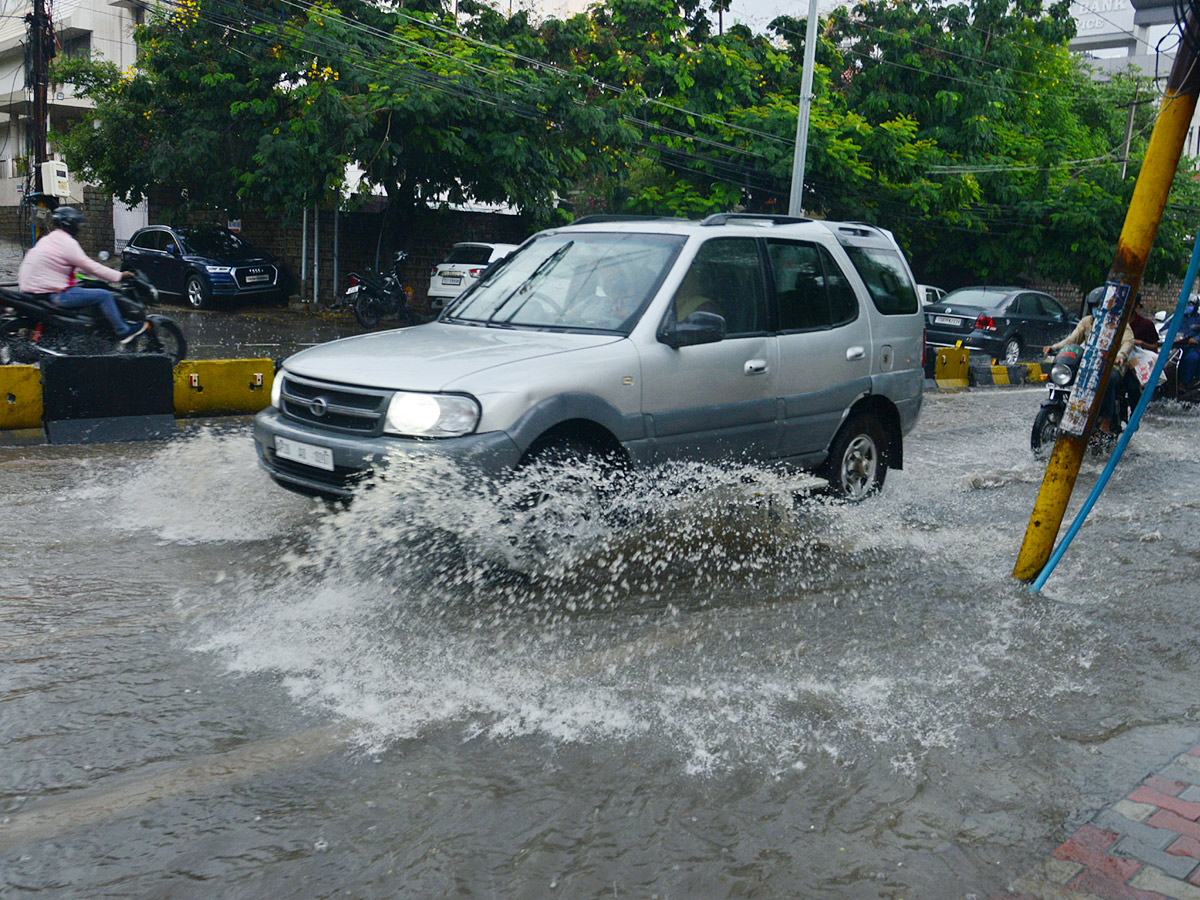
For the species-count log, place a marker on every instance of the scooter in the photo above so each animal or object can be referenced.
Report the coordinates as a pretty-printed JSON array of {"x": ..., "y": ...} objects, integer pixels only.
[
  {"x": 1049, "y": 416},
  {"x": 375, "y": 297},
  {"x": 1169, "y": 387},
  {"x": 32, "y": 328}
]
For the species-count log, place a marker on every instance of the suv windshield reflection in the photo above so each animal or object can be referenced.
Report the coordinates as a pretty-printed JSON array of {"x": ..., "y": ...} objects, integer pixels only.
[{"x": 573, "y": 282}]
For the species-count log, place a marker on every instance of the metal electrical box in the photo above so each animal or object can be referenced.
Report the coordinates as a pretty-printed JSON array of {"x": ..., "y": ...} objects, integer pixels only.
[{"x": 54, "y": 179}]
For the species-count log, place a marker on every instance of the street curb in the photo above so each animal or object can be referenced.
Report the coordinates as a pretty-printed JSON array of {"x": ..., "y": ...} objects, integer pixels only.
[{"x": 201, "y": 387}]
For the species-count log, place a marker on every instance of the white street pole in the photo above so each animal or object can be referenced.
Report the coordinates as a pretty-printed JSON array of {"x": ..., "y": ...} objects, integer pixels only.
[{"x": 796, "y": 204}]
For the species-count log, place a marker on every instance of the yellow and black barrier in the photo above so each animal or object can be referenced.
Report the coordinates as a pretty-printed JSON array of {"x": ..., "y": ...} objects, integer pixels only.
[
  {"x": 202, "y": 387},
  {"x": 951, "y": 368}
]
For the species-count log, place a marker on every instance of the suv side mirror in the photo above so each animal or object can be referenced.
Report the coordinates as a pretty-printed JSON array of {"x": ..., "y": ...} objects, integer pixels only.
[
  {"x": 173, "y": 249},
  {"x": 698, "y": 328}
]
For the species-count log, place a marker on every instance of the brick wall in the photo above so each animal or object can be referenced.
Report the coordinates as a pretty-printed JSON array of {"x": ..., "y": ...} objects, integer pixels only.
[{"x": 1154, "y": 296}]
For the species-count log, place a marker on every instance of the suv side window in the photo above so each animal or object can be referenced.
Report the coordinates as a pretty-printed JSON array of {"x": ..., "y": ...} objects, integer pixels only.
[
  {"x": 800, "y": 294},
  {"x": 147, "y": 240},
  {"x": 811, "y": 290},
  {"x": 725, "y": 278},
  {"x": 843, "y": 305}
]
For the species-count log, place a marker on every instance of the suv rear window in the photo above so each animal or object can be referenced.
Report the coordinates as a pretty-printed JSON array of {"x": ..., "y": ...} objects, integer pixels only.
[
  {"x": 469, "y": 254},
  {"x": 886, "y": 279}
]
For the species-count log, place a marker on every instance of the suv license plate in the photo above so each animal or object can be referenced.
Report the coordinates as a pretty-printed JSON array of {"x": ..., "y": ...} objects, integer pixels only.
[
  {"x": 250, "y": 278},
  {"x": 946, "y": 320},
  {"x": 310, "y": 455},
  {"x": 451, "y": 279}
]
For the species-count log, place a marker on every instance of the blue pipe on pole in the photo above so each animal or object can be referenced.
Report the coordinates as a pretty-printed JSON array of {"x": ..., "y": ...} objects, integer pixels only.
[{"x": 1134, "y": 420}]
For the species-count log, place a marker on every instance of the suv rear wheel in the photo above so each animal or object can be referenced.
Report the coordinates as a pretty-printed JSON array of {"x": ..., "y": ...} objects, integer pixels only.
[{"x": 857, "y": 463}]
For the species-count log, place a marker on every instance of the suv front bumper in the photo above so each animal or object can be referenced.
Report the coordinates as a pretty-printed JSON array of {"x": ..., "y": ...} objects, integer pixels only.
[{"x": 355, "y": 458}]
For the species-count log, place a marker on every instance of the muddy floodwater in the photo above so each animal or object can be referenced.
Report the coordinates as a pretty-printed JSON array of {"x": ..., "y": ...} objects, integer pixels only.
[{"x": 212, "y": 688}]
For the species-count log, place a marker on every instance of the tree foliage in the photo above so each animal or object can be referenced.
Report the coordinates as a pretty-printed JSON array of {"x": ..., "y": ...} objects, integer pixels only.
[{"x": 967, "y": 128}]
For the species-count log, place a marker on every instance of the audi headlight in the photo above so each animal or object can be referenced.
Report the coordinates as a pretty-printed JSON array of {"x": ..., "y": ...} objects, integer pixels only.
[
  {"x": 431, "y": 415},
  {"x": 1061, "y": 375},
  {"x": 219, "y": 270},
  {"x": 276, "y": 389}
]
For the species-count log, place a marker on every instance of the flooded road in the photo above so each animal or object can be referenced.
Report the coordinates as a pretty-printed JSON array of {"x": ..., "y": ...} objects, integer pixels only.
[{"x": 212, "y": 688}]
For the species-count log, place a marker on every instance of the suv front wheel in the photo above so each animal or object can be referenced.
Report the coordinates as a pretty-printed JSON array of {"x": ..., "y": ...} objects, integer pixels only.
[{"x": 857, "y": 463}]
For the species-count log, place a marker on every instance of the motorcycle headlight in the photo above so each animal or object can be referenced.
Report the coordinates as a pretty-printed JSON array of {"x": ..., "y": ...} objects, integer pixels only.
[
  {"x": 431, "y": 415},
  {"x": 276, "y": 389},
  {"x": 1061, "y": 375}
]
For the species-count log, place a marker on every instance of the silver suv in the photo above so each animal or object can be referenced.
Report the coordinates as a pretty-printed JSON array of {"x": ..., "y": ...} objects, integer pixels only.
[{"x": 739, "y": 337}]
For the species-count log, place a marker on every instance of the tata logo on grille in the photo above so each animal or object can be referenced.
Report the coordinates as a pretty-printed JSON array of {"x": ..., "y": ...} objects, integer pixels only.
[{"x": 318, "y": 406}]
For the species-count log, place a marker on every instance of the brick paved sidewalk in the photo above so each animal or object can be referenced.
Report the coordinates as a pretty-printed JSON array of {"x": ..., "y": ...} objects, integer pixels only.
[{"x": 1144, "y": 847}]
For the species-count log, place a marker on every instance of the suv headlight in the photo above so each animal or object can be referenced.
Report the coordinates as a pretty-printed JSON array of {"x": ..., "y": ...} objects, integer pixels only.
[
  {"x": 276, "y": 388},
  {"x": 431, "y": 415},
  {"x": 219, "y": 270}
]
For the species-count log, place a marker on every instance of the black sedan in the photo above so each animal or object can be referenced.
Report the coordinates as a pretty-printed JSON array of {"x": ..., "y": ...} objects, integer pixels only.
[
  {"x": 204, "y": 265},
  {"x": 1007, "y": 323}
]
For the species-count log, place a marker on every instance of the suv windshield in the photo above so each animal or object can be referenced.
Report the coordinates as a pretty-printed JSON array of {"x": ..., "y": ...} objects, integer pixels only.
[
  {"x": 214, "y": 241},
  {"x": 585, "y": 281}
]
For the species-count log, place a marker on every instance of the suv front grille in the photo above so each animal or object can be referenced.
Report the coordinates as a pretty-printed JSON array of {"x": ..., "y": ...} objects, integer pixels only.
[
  {"x": 255, "y": 276},
  {"x": 337, "y": 407}
]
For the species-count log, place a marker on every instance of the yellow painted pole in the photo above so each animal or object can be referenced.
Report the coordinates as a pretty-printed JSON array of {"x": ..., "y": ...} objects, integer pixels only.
[{"x": 1133, "y": 249}]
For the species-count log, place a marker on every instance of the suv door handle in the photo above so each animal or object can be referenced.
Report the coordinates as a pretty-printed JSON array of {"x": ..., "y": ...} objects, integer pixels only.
[
  {"x": 855, "y": 353},
  {"x": 755, "y": 367}
]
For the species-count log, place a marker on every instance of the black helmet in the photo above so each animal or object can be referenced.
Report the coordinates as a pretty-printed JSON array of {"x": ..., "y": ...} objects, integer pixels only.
[
  {"x": 68, "y": 218},
  {"x": 1095, "y": 295}
]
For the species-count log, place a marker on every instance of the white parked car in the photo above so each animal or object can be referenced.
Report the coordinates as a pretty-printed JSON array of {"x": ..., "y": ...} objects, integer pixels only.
[
  {"x": 462, "y": 268},
  {"x": 929, "y": 294},
  {"x": 641, "y": 341}
]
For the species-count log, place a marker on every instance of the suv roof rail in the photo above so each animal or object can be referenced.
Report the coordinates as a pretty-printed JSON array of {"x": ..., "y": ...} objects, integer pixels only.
[
  {"x": 617, "y": 217},
  {"x": 862, "y": 229},
  {"x": 725, "y": 218}
]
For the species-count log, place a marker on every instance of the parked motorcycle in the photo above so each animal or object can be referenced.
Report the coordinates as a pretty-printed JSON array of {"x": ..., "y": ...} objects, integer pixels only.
[
  {"x": 1049, "y": 416},
  {"x": 32, "y": 328},
  {"x": 376, "y": 297}
]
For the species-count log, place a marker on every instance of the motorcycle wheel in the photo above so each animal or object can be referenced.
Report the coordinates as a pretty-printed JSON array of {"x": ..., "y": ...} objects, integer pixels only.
[
  {"x": 165, "y": 337},
  {"x": 367, "y": 310},
  {"x": 1045, "y": 431}
]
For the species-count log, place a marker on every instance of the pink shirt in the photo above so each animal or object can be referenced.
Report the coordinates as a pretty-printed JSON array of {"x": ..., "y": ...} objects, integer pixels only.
[{"x": 49, "y": 267}]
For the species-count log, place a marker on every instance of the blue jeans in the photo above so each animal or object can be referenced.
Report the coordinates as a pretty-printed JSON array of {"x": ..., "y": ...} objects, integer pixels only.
[
  {"x": 1189, "y": 364},
  {"x": 76, "y": 297}
]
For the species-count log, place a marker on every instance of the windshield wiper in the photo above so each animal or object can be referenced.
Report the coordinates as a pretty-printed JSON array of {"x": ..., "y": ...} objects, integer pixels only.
[{"x": 535, "y": 277}]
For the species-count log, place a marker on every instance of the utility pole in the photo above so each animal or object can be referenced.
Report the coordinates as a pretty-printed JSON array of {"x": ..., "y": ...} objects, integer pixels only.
[
  {"x": 1133, "y": 249},
  {"x": 796, "y": 203},
  {"x": 41, "y": 45}
]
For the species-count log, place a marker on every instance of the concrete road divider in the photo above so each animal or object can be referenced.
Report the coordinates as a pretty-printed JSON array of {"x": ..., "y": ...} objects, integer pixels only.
[
  {"x": 213, "y": 387},
  {"x": 951, "y": 367},
  {"x": 20, "y": 397},
  {"x": 91, "y": 399},
  {"x": 113, "y": 398}
]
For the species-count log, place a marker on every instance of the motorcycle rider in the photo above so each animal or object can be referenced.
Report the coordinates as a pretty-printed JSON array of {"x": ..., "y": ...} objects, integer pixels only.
[
  {"x": 1108, "y": 403},
  {"x": 49, "y": 269},
  {"x": 1188, "y": 340}
]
